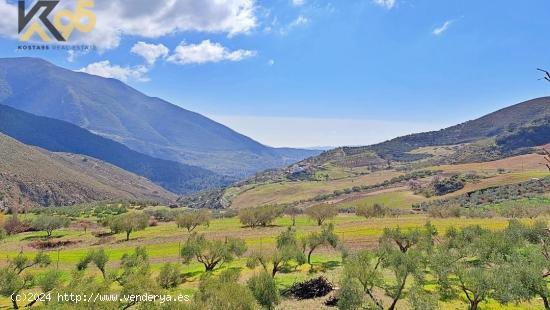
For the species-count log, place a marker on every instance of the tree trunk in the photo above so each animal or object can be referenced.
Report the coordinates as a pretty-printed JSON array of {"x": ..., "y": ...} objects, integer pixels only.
[
  {"x": 209, "y": 267},
  {"x": 128, "y": 235},
  {"x": 546, "y": 302},
  {"x": 398, "y": 296},
  {"x": 474, "y": 304},
  {"x": 309, "y": 256},
  {"x": 14, "y": 302},
  {"x": 294, "y": 221},
  {"x": 30, "y": 304},
  {"x": 319, "y": 222}
]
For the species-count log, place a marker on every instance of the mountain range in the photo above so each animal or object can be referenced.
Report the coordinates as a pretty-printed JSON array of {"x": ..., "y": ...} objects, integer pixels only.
[
  {"x": 149, "y": 125},
  {"x": 59, "y": 136}
]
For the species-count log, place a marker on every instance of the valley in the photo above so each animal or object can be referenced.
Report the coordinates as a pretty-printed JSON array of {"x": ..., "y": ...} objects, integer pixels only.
[{"x": 90, "y": 205}]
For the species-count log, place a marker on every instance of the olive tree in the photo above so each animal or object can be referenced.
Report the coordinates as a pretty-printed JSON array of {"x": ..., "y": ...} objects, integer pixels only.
[
  {"x": 135, "y": 277},
  {"x": 376, "y": 210},
  {"x": 49, "y": 223},
  {"x": 128, "y": 223},
  {"x": 293, "y": 212},
  {"x": 321, "y": 213},
  {"x": 259, "y": 216},
  {"x": 401, "y": 253},
  {"x": 286, "y": 250},
  {"x": 191, "y": 220},
  {"x": 316, "y": 239},
  {"x": 466, "y": 263},
  {"x": 526, "y": 270},
  {"x": 98, "y": 257},
  {"x": 211, "y": 253},
  {"x": 14, "y": 279}
]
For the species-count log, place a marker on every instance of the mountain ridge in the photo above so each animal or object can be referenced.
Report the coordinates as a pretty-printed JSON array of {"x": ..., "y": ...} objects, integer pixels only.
[
  {"x": 59, "y": 136},
  {"x": 148, "y": 125}
]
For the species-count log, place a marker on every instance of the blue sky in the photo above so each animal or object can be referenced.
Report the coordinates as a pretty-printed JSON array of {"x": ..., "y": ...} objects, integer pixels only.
[{"x": 315, "y": 72}]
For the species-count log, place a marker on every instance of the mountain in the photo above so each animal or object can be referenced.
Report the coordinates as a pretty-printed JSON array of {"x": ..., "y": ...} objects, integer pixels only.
[
  {"x": 506, "y": 143},
  {"x": 481, "y": 139},
  {"x": 33, "y": 175},
  {"x": 148, "y": 125},
  {"x": 59, "y": 136},
  {"x": 489, "y": 126}
]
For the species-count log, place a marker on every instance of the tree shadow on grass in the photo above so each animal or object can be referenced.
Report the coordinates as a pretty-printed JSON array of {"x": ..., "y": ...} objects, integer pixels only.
[
  {"x": 40, "y": 237},
  {"x": 325, "y": 266}
]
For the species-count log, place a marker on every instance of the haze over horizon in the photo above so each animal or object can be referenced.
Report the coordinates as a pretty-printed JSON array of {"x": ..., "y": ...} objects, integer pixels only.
[{"x": 315, "y": 72}]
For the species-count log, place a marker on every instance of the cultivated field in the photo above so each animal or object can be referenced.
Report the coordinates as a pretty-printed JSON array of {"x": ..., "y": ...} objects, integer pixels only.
[{"x": 164, "y": 241}]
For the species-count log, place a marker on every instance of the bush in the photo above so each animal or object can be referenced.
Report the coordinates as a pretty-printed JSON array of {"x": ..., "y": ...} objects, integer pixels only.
[
  {"x": 224, "y": 292},
  {"x": 446, "y": 186},
  {"x": 444, "y": 211},
  {"x": 169, "y": 276},
  {"x": 14, "y": 226},
  {"x": 264, "y": 289}
]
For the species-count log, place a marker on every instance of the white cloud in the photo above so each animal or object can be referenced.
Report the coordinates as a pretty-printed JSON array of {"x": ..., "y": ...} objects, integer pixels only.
[
  {"x": 8, "y": 22},
  {"x": 298, "y": 2},
  {"x": 313, "y": 132},
  {"x": 205, "y": 52},
  {"x": 301, "y": 20},
  {"x": 440, "y": 30},
  {"x": 108, "y": 70},
  {"x": 71, "y": 55},
  {"x": 150, "y": 52},
  {"x": 271, "y": 62},
  {"x": 388, "y": 4},
  {"x": 151, "y": 19}
]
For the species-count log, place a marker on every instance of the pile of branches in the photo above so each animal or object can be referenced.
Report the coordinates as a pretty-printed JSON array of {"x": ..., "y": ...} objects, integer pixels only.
[{"x": 313, "y": 288}]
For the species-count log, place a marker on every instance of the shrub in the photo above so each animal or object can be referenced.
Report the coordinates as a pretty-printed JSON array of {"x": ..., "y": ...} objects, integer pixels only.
[
  {"x": 14, "y": 226},
  {"x": 169, "y": 276},
  {"x": 224, "y": 292},
  {"x": 264, "y": 289}
]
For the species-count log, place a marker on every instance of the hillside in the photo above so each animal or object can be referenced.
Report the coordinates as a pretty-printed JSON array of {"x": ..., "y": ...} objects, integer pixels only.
[
  {"x": 59, "y": 136},
  {"x": 498, "y": 123},
  {"x": 506, "y": 140},
  {"x": 152, "y": 126},
  {"x": 30, "y": 175}
]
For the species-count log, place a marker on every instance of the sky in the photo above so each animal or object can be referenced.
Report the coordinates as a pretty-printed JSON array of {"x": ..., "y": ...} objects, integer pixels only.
[{"x": 306, "y": 73}]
